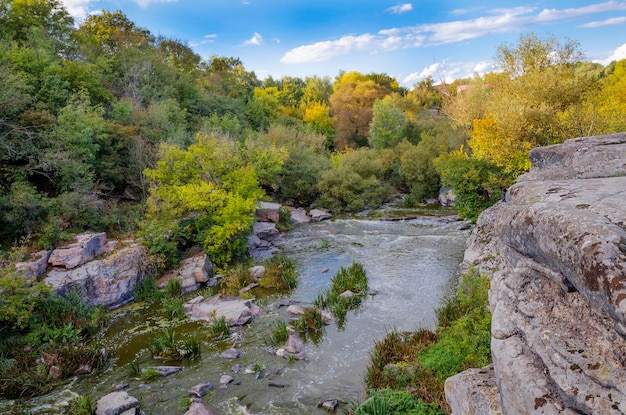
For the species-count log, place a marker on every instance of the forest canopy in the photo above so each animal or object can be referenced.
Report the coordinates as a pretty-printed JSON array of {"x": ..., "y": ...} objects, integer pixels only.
[{"x": 106, "y": 126}]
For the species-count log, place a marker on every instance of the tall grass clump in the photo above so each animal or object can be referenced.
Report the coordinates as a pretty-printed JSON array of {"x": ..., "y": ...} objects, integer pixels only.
[
  {"x": 311, "y": 319},
  {"x": 166, "y": 346},
  {"x": 353, "y": 279},
  {"x": 235, "y": 279},
  {"x": 220, "y": 329},
  {"x": 280, "y": 273},
  {"x": 389, "y": 401},
  {"x": 277, "y": 333},
  {"x": 421, "y": 361}
]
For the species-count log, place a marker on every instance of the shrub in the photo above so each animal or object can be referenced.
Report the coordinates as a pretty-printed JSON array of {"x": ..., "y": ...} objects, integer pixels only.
[
  {"x": 173, "y": 308},
  {"x": 166, "y": 346},
  {"x": 352, "y": 278},
  {"x": 310, "y": 320}
]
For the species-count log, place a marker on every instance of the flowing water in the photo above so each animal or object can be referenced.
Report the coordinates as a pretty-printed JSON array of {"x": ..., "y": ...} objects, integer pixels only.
[{"x": 410, "y": 263}]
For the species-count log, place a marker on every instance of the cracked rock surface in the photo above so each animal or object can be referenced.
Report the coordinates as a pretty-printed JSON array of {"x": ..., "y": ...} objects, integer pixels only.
[{"x": 556, "y": 255}]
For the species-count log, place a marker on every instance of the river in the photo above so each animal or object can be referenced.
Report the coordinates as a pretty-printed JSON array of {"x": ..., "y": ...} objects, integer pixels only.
[{"x": 410, "y": 263}]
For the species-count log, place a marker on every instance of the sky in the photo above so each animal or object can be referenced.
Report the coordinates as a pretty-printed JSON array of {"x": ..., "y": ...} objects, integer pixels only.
[{"x": 410, "y": 41}]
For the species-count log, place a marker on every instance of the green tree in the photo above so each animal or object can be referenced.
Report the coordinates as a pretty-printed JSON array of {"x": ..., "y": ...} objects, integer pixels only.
[{"x": 387, "y": 124}]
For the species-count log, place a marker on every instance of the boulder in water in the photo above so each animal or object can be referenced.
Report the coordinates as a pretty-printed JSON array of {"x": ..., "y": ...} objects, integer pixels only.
[
  {"x": 198, "y": 408},
  {"x": 115, "y": 403}
]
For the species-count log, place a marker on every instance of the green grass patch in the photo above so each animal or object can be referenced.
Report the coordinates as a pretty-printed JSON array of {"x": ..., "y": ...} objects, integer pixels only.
[
  {"x": 166, "y": 346},
  {"x": 395, "y": 402},
  {"x": 280, "y": 273},
  {"x": 352, "y": 278},
  {"x": 310, "y": 320},
  {"x": 277, "y": 333},
  {"x": 220, "y": 329}
]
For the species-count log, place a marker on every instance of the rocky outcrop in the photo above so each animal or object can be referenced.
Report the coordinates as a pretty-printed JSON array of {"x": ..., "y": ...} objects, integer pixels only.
[
  {"x": 87, "y": 246},
  {"x": 108, "y": 282},
  {"x": 234, "y": 310},
  {"x": 556, "y": 255},
  {"x": 116, "y": 403},
  {"x": 193, "y": 272}
]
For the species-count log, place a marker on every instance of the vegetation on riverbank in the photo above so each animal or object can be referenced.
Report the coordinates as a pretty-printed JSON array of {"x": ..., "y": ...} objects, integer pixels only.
[
  {"x": 43, "y": 337},
  {"x": 416, "y": 364}
]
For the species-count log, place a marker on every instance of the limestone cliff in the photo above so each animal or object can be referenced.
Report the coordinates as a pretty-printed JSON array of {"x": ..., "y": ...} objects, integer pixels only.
[{"x": 556, "y": 255}]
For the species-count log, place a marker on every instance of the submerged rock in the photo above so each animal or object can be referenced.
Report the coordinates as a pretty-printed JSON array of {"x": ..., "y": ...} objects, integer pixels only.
[
  {"x": 198, "y": 408},
  {"x": 231, "y": 353},
  {"x": 115, "y": 403}
]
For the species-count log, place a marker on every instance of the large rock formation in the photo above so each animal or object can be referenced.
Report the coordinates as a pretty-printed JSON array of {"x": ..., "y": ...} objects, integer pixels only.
[
  {"x": 556, "y": 255},
  {"x": 108, "y": 282}
]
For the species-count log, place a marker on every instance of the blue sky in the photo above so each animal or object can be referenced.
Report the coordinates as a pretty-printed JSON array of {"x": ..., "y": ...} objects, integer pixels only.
[{"x": 407, "y": 40}]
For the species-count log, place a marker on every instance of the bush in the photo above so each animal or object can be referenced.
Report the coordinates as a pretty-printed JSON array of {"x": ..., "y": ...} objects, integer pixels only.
[{"x": 352, "y": 278}]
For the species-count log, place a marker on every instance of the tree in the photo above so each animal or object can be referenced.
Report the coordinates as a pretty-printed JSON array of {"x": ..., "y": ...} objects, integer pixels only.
[
  {"x": 531, "y": 53},
  {"x": 209, "y": 188},
  {"x": 351, "y": 105},
  {"x": 387, "y": 124}
]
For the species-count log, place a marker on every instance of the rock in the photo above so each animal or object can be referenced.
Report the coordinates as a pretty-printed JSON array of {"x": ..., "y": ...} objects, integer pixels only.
[
  {"x": 324, "y": 270},
  {"x": 295, "y": 310},
  {"x": 299, "y": 216},
  {"x": 327, "y": 317},
  {"x": 226, "y": 379},
  {"x": 235, "y": 310},
  {"x": 431, "y": 201},
  {"x": 87, "y": 246},
  {"x": 329, "y": 405},
  {"x": 167, "y": 370},
  {"x": 238, "y": 368},
  {"x": 36, "y": 265},
  {"x": 264, "y": 230},
  {"x": 473, "y": 392},
  {"x": 268, "y": 212},
  {"x": 108, "y": 282},
  {"x": 231, "y": 353},
  {"x": 558, "y": 283},
  {"x": 372, "y": 292},
  {"x": 192, "y": 272},
  {"x": 198, "y": 408},
  {"x": 318, "y": 215},
  {"x": 256, "y": 272},
  {"x": 347, "y": 294},
  {"x": 115, "y": 403},
  {"x": 276, "y": 384},
  {"x": 248, "y": 287},
  {"x": 446, "y": 197},
  {"x": 55, "y": 372},
  {"x": 83, "y": 370},
  {"x": 294, "y": 346},
  {"x": 120, "y": 387}
]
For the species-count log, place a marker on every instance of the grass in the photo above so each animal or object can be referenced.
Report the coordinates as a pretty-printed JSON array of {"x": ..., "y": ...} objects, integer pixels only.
[
  {"x": 150, "y": 373},
  {"x": 280, "y": 273},
  {"x": 81, "y": 405},
  {"x": 166, "y": 346},
  {"x": 310, "y": 320},
  {"x": 352, "y": 278},
  {"x": 173, "y": 308},
  {"x": 220, "y": 329},
  {"x": 59, "y": 331},
  {"x": 277, "y": 334},
  {"x": 236, "y": 279},
  {"x": 420, "y": 361}
]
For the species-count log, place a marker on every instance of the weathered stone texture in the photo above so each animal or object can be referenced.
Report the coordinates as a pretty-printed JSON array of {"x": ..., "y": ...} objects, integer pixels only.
[{"x": 556, "y": 255}]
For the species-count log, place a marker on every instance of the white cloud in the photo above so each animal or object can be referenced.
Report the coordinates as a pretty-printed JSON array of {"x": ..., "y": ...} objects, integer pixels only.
[
  {"x": 324, "y": 51},
  {"x": 560, "y": 14},
  {"x": 206, "y": 39},
  {"x": 401, "y": 8},
  {"x": 618, "y": 54},
  {"x": 255, "y": 40},
  {"x": 498, "y": 21},
  {"x": 79, "y": 9},
  {"x": 447, "y": 72},
  {"x": 607, "y": 22}
]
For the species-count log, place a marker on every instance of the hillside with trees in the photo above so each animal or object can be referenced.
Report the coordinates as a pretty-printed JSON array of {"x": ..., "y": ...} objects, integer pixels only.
[{"x": 106, "y": 127}]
